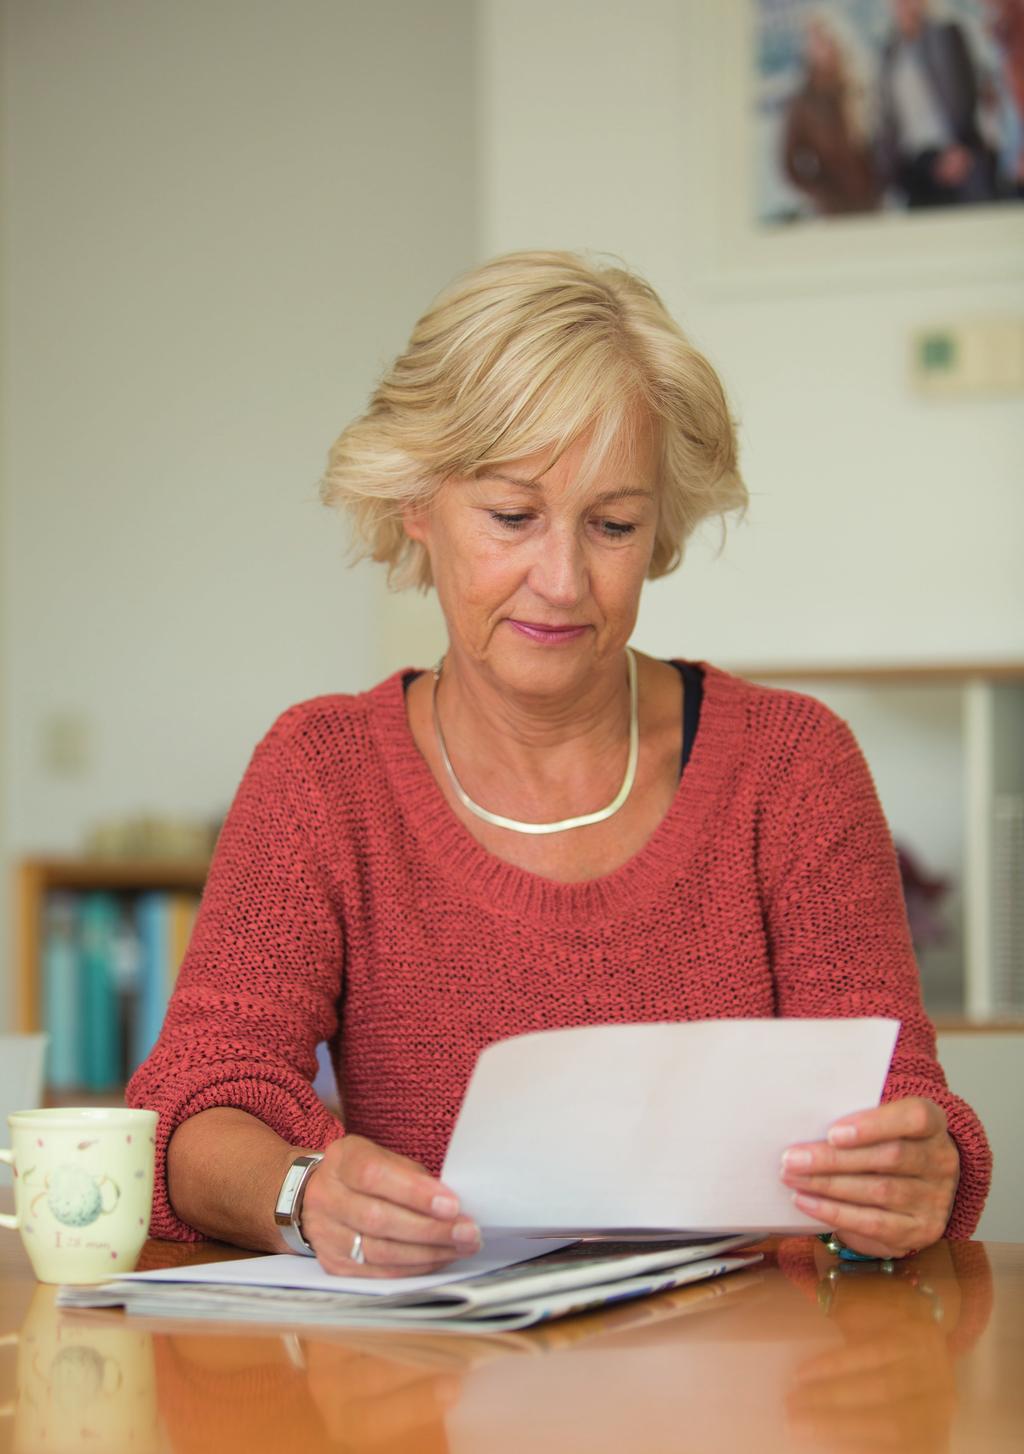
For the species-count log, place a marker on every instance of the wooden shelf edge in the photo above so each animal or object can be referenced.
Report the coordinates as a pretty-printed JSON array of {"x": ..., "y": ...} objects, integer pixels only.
[
  {"x": 958, "y": 1025},
  {"x": 62, "y": 1097},
  {"x": 892, "y": 673},
  {"x": 116, "y": 873}
]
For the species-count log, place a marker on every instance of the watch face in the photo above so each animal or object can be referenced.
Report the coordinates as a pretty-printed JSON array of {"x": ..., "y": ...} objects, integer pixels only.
[
  {"x": 294, "y": 1182},
  {"x": 290, "y": 1185},
  {"x": 289, "y": 1203}
]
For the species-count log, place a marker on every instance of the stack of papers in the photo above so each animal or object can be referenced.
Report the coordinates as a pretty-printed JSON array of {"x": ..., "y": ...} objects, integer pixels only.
[{"x": 505, "y": 1291}]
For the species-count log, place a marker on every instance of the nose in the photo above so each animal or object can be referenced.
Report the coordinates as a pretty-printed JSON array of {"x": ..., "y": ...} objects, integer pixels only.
[{"x": 559, "y": 573}]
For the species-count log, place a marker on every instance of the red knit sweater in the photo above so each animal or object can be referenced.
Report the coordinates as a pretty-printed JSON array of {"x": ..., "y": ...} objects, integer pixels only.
[{"x": 346, "y": 903}]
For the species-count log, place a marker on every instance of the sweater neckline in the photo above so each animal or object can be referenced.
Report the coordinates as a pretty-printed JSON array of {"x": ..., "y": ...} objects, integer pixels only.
[{"x": 506, "y": 889}]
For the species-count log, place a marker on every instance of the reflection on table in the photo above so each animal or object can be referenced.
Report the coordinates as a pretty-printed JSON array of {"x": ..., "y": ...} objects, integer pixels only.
[{"x": 795, "y": 1354}]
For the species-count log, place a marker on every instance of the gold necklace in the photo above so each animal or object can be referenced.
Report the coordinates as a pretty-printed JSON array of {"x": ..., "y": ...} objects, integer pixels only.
[{"x": 565, "y": 823}]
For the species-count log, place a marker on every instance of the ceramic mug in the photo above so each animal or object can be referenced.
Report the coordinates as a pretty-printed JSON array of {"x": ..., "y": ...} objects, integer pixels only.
[{"x": 83, "y": 1189}]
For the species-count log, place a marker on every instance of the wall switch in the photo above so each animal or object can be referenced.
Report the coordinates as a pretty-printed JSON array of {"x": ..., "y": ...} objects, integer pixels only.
[{"x": 971, "y": 359}]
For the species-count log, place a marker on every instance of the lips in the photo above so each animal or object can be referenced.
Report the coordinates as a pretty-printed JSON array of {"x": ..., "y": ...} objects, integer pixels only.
[{"x": 541, "y": 631}]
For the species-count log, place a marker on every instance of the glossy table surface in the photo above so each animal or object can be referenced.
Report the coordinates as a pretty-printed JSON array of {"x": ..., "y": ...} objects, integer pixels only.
[{"x": 789, "y": 1355}]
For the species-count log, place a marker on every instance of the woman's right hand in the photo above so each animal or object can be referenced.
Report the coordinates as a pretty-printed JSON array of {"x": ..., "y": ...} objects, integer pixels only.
[{"x": 409, "y": 1220}]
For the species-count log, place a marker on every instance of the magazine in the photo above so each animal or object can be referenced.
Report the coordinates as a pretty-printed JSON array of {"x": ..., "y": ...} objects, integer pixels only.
[{"x": 568, "y": 1280}]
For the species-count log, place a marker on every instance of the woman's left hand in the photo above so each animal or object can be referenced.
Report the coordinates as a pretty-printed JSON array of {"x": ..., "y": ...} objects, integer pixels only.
[{"x": 885, "y": 1179}]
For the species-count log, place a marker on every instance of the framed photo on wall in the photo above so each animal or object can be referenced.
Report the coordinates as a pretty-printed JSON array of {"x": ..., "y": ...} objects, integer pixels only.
[{"x": 872, "y": 140}]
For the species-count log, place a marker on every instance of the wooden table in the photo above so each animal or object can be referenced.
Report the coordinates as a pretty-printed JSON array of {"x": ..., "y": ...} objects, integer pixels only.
[{"x": 778, "y": 1358}]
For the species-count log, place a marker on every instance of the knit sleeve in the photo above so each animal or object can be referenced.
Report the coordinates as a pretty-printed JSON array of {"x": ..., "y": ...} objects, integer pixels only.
[
  {"x": 838, "y": 931},
  {"x": 260, "y": 982}
]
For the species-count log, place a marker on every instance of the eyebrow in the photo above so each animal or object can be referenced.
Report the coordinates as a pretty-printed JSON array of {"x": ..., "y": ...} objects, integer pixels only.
[{"x": 622, "y": 493}]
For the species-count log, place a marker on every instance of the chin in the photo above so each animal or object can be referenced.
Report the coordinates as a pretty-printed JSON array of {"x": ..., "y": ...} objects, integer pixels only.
[{"x": 526, "y": 665}]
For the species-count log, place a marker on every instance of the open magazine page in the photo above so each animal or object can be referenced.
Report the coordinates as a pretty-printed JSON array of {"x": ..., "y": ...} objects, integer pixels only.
[
  {"x": 525, "y": 1312},
  {"x": 582, "y": 1265},
  {"x": 425, "y": 1346}
]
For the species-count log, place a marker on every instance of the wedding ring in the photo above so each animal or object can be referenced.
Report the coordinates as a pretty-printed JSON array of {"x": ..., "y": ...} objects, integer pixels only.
[{"x": 357, "y": 1254}]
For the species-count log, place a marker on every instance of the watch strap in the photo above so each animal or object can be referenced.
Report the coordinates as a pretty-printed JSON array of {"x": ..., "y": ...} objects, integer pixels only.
[{"x": 288, "y": 1209}]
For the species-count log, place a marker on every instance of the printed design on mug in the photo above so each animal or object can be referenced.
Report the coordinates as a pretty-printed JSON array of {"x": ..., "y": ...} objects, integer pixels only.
[{"x": 74, "y": 1196}]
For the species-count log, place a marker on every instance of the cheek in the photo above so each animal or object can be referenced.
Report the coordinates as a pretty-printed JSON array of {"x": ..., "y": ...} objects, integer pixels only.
[
  {"x": 618, "y": 579},
  {"x": 478, "y": 577}
]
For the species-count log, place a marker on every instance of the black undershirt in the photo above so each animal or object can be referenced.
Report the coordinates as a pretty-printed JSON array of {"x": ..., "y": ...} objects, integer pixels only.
[{"x": 693, "y": 695}]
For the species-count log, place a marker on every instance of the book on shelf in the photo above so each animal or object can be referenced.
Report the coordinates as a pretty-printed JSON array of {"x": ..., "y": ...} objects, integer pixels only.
[
  {"x": 64, "y": 1059},
  {"x": 98, "y": 1003},
  {"x": 152, "y": 924},
  {"x": 108, "y": 964}
]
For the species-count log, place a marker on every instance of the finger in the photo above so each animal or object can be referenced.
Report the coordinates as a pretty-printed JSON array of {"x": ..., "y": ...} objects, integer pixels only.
[
  {"x": 407, "y": 1255},
  {"x": 365, "y": 1167},
  {"x": 811, "y": 1158},
  {"x": 377, "y": 1218},
  {"x": 382, "y": 1258},
  {"x": 874, "y": 1230},
  {"x": 913, "y": 1116},
  {"x": 895, "y": 1193}
]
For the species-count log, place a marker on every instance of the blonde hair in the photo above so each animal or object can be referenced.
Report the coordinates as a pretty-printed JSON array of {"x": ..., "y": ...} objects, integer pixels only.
[{"x": 522, "y": 355}]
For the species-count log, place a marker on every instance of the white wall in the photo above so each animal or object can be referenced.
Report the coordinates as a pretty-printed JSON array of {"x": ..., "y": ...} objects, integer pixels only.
[
  {"x": 987, "y": 1069},
  {"x": 881, "y": 527},
  {"x": 220, "y": 220}
]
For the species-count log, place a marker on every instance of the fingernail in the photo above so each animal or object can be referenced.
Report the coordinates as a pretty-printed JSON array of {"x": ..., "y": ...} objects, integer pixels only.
[
  {"x": 466, "y": 1234},
  {"x": 796, "y": 1160},
  {"x": 806, "y": 1203},
  {"x": 842, "y": 1135},
  {"x": 444, "y": 1206}
]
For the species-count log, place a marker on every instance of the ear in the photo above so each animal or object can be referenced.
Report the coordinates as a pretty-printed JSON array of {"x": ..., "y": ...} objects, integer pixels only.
[{"x": 416, "y": 522}]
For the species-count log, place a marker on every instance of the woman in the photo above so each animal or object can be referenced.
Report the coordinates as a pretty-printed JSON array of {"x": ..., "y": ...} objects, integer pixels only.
[
  {"x": 823, "y": 150},
  {"x": 546, "y": 831}
]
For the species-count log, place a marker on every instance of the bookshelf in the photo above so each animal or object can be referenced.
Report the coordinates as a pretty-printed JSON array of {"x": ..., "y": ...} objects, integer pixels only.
[
  {"x": 38, "y": 877},
  {"x": 945, "y": 742}
]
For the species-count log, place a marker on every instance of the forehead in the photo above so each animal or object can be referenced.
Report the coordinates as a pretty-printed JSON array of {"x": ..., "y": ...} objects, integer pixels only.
[{"x": 590, "y": 464}]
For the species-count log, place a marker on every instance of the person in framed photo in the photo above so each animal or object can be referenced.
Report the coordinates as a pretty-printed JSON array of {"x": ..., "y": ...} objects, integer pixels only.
[
  {"x": 933, "y": 151},
  {"x": 824, "y": 151},
  {"x": 1004, "y": 22}
]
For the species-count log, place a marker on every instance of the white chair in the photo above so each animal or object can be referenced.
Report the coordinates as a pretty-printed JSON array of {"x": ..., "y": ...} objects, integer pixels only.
[{"x": 21, "y": 1079}]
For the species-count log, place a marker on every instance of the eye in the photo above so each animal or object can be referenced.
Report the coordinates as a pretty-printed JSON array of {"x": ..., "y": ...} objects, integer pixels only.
[
  {"x": 615, "y": 529},
  {"x": 510, "y": 522}
]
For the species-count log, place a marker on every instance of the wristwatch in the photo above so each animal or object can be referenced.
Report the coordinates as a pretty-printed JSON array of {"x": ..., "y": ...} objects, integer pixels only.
[{"x": 288, "y": 1211}]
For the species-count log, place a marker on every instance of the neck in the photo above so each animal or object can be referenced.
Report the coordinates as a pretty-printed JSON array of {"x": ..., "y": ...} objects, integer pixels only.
[
  {"x": 537, "y": 758},
  {"x": 562, "y": 781},
  {"x": 522, "y": 729}
]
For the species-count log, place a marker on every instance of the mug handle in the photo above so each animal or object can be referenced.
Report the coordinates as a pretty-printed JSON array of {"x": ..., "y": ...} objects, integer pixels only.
[{"x": 11, "y": 1223}]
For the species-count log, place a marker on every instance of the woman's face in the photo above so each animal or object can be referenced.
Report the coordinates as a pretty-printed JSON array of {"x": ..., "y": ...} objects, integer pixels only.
[{"x": 540, "y": 583}]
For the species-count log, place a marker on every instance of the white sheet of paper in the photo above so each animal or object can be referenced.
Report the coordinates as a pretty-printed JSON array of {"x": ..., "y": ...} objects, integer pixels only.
[
  {"x": 663, "y": 1126},
  {"x": 284, "y": 1270}
]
